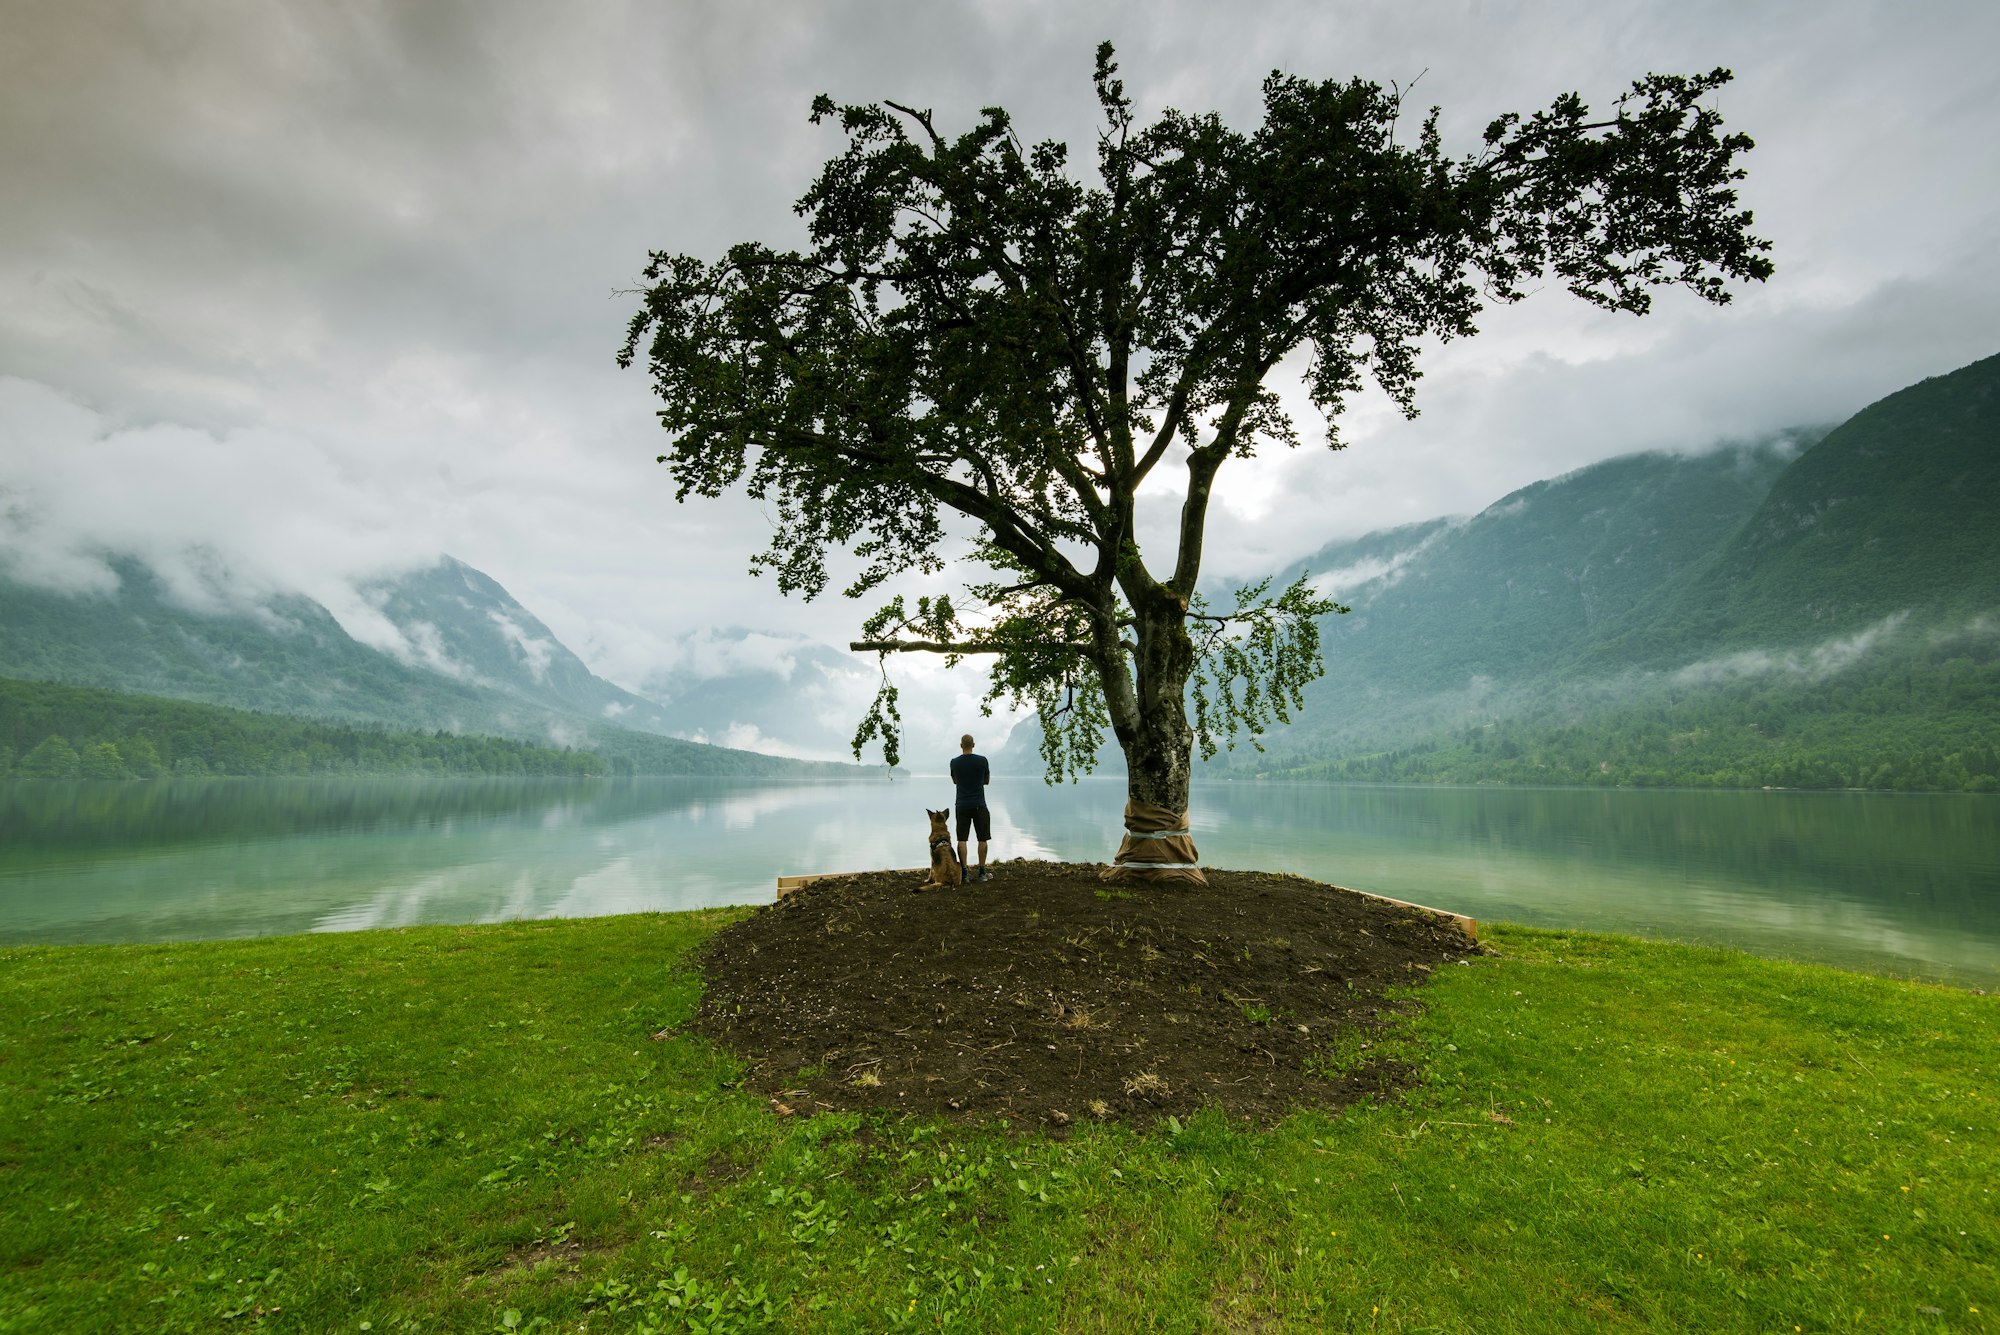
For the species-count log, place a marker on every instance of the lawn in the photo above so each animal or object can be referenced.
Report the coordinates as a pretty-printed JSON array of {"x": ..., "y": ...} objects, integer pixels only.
[{"x": 496, "y": 1128}]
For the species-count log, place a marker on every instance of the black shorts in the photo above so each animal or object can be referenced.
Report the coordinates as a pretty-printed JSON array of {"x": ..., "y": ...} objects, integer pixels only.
[{"x": 979, "y": 816}]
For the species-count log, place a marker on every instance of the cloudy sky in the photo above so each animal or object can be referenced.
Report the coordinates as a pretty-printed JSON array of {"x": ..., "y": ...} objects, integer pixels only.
[{"x": 306, "y": 293}]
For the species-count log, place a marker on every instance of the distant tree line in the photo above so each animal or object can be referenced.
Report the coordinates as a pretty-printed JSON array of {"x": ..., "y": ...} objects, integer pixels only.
[
  {"x": 1928, "y": 721},
  {"x": 51, "y": 731}
]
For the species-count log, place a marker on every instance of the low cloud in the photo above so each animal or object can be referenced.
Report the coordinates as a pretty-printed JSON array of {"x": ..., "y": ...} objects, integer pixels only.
[
  {"x": 708, "y": 654},
  {"x": 1348, "y": 581},
  {"x": 423, "y": 646},
  {"x": 749, "y": 737},
  {"x": 535, "y": 651},
  {"x": 1982, "y": 627},
  {"x": 227, "y": 521},
  {"x": 1810, "y": 663}
]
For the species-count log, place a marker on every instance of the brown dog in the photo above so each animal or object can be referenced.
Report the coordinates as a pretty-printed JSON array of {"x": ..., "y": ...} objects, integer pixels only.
[{"x": 945, "y": 867}]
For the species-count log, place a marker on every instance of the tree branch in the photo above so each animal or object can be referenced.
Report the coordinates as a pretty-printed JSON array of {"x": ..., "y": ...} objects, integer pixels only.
[
  {"x": 1202, "y": 466},
  {"x": 971, "y": 647},
  {"x": 1011, "y": 531}
]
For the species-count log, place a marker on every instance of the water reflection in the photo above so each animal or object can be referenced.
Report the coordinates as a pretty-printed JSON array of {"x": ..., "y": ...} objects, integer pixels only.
[
  {"x": 1901, "y": 884},
  {"x": 1898, "y": 883}
]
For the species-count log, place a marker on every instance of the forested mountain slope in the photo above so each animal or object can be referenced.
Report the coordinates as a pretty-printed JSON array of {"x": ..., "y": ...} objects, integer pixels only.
[
  {"x": 1846, "y": 633},
  {"x": 288, "y": 656},
  {"x": 478, "y": 664},
  {"x": 1923, "y": 713},
  {"x": 1897, "y": 511},
  {"x": 1540, "y": 573},
  {"x": 53, "y": 731}
]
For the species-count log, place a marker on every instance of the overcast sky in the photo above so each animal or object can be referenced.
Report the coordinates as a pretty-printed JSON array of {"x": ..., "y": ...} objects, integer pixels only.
[{"x": 296, "y": 294}]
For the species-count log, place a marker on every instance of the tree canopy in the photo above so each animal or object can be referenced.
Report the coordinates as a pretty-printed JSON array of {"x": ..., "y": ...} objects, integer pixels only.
[{"x": 974, "y": 329}]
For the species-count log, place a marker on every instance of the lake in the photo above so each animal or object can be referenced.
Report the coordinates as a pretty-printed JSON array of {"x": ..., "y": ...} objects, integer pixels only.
[{"x": 1899, "y": 884}]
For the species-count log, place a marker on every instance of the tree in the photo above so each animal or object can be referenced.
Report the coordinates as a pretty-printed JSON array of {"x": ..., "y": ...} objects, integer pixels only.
[
  {"x": 142, "y": 757},
  {"x": 972, "y": 330},
  {"x": 100, "y": 760},
  {"x": 54, "y": 758}
]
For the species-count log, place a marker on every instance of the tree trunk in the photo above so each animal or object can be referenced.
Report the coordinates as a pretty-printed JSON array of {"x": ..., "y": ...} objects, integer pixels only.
[
  {"x": 1159, "y": 761},
  {"x": 1159, "y": 754}
]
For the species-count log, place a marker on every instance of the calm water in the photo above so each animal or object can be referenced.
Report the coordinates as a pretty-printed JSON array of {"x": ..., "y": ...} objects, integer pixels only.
[{"x": 1907, "y": 885}]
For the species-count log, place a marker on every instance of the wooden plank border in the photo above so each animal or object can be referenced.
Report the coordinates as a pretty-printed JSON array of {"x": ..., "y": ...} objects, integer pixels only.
[
  {"x": 1470, "y": 926},
  {"x": 787, "y": 884},
  {"x": 1467, "y": 925}
]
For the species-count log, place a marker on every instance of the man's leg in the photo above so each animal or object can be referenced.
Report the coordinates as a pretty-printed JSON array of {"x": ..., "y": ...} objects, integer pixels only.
[
  {"x": 984, "y": 820},
  {"x": 964, "y": 817},
  {"x": 982, "y": 855}
]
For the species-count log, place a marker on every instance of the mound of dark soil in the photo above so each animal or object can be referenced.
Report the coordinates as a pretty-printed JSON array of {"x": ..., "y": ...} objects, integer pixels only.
[{"x": 1049, "y": 996}]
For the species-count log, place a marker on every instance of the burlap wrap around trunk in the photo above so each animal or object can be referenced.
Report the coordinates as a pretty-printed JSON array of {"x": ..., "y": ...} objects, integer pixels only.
[{"x": 1157, "y": 848}]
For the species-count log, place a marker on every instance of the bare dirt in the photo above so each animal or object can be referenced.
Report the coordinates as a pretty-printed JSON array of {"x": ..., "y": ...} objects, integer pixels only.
[{"x": 1049, "y": 997}]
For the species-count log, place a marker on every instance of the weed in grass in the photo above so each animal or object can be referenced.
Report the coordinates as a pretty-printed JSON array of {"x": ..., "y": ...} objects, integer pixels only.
[
  {"x": 680, "y": 1301},
  {"x": 1341, "y": 1055}
]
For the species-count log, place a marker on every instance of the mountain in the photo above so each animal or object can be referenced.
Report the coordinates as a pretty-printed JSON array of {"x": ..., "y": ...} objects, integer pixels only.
[
  {"x": 473, "y": 660},
  {"x": 1740, "y": 618},
  {"x": 1450, "y": 608},
  {"x": 463, "y": 623},
  {"x": 285, "y": 656},
  {"x": 1449, "y": 615},
  {"x": 1538, "y": 574},
  {"x": 55, "y": 731},
  {"x": 48, "y": 730},
  {"x": 1895, "y": 512},
  {"x": 1818, "y": 608},
  {"x": 1789, "y": 610},
  {"x": 1444, "y": 612},
  {"x": 1915, "y": 712}
]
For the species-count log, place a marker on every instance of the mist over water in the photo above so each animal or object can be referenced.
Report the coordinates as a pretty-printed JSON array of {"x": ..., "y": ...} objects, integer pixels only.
[{"x": 1900, "y": 884}]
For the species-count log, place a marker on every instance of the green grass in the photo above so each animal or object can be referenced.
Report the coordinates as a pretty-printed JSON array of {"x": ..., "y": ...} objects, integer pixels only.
[{"x": 474, "y": 1129}]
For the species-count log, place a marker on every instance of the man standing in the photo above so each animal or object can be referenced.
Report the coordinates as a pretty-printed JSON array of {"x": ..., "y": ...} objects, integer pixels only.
[{"x": 971, "y": 774}]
